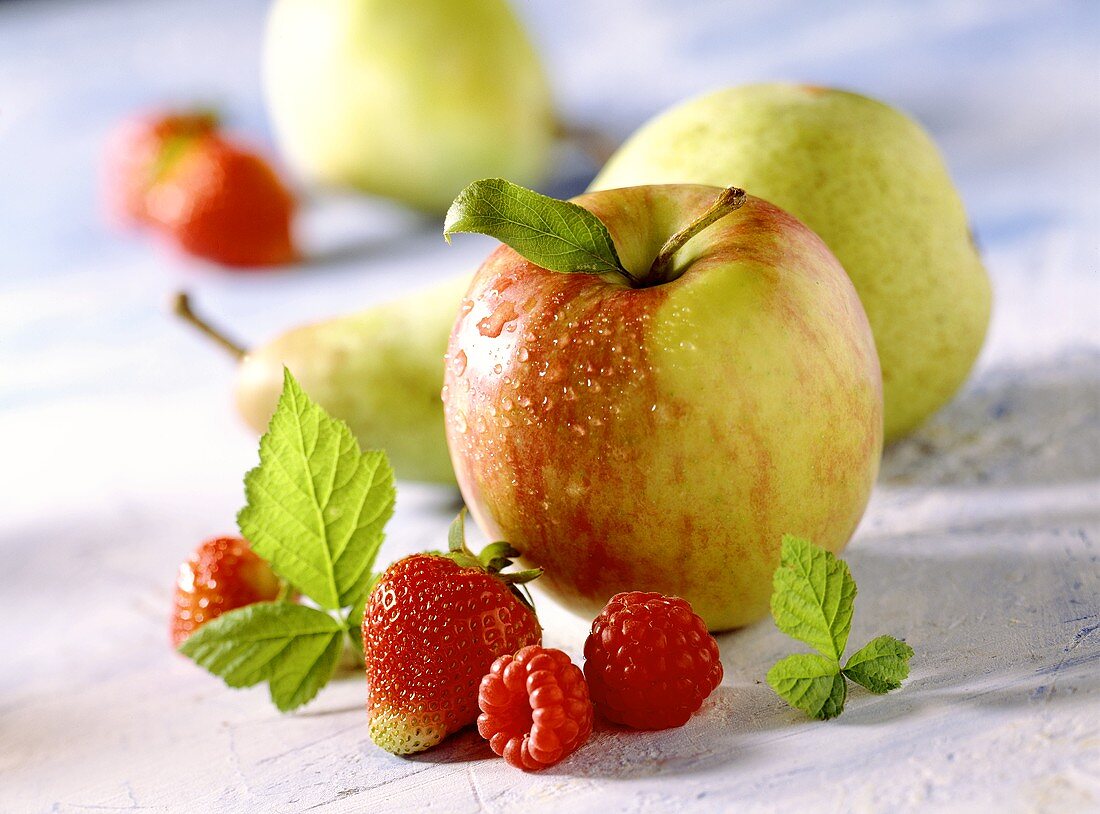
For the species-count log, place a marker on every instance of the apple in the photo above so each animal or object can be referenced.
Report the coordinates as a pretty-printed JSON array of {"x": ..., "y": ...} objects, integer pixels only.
[
  {"x": 408, "y": 100},
  {"x": 872, "y": 184},
  {"x": 662, "y": 431}
]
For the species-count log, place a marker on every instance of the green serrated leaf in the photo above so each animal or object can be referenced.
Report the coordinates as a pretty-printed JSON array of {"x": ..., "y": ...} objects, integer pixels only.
[
  {"x": 880, "y": 665},
  {"x": 557, "y": 235},
  {"x": 810, "y": 683},
  {"x": 316, "y": 505},
  {"x": 292, "y": 647},
  {"x": 813, "y": 595}
]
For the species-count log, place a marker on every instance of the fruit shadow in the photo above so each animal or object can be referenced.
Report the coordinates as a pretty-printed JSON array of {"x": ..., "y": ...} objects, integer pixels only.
[
  {"x": 1029, "y": 642},
  {"x": 349, "y": 255},
  {"x": 713, "y": 736},
  {"x": 343, "y": 230},
  {"x": 463, "y": 747},
  {"x": 1011, "y": 426},
  {"x": 1012, "y": 627}
]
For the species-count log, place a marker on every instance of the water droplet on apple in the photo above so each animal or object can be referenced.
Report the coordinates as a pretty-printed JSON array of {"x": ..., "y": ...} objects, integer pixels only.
[
  {"x": 523, "y": 354},
  {"x": 460, "y": 421},
  {"x": 497, "y": 368},
  {"x": 506, "y": 403},
  {"x": 458, "y": 363},
  {"x": 492, "y": 325}
]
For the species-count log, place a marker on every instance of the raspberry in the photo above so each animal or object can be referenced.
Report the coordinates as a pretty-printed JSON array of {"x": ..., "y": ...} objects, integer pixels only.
[
  {"x": 535, "y": 708},
  {"x": 650, "y": 661}
]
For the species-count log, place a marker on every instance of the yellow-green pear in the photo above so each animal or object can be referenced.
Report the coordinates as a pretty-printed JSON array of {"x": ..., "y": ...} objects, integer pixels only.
[
  {"x": 410, "y": 100},
  {"x": 380, "y": 370},
  {"x": 872, "y": 184}
]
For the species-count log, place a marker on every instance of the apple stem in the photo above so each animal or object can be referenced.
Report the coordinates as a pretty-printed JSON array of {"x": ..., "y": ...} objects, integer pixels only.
[
  {"x": 661, "y": 271},
  {"x": 181, "y": 307}
]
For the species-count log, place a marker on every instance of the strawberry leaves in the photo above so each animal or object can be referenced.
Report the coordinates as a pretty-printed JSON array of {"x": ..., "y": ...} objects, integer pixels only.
[
  {"x": 316, "y": 509},
  {"x": 292, "y": 647},
  {"x": 316, "y": 505},
  {"x": 813, "y": 598}
]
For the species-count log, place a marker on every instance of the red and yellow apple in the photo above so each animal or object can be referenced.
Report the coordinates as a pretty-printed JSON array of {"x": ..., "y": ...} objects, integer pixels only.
[{"x": 664, "y": 436}]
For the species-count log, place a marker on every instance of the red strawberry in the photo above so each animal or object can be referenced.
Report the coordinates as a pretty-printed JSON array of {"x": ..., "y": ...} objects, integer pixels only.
[
  {"x": 140, "y": 150},
  {"x": 535, "y": 708},
  {"x": 433, "y": 626},
  {"x": 225, "y": 204},
  {"x": 221, "y": 575},
  {"x": 650, "y": 661}
]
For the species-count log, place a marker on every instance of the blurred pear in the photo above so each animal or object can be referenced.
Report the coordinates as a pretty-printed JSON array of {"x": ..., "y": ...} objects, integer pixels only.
[
  {"x": 380, "y": 370},
  {"x": 409, "y": 100}
]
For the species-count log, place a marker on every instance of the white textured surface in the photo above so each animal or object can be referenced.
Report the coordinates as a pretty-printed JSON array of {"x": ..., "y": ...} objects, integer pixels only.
[{"x": 981, "y": 546}]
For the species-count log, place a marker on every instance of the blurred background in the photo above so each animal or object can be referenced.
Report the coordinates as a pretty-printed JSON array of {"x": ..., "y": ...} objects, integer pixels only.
[
  {"x": 109, "y": 405},
  {"x": 120, "y": 447}
]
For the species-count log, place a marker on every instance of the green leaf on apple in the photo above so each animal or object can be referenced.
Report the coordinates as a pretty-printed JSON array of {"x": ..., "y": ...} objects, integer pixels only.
[
  {"x": 292, "y": 647},
  {"x": 557, "y": 235},
  {"x": 316, "y": 504},
  {"x": 813, "y": 598}
]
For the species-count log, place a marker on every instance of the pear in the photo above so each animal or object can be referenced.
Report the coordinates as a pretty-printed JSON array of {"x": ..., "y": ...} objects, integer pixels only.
[
  {"x": 380, "y": 370},
  {"x": 872, "y": 184},
  {"x": 410, "y": 100}
]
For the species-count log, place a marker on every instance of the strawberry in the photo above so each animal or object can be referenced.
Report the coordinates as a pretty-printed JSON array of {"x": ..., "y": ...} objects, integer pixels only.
[
  {"x": 222, "y": 574},
  {"x": 138, "y": 151},
  {"x": 650, "y": 661},
  {"x": 221, "y": 202},
  {"x": 433, "y": 626},
  {"x": 535, "y": 709}
]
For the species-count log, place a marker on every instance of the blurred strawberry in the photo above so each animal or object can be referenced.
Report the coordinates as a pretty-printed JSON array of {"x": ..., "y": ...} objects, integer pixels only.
[
  {"x": 223, "y": 203},
  {"x": 138, "y": 152},
  {"x": 212, "y": 197},
  {"x": 222, "y": 575}
]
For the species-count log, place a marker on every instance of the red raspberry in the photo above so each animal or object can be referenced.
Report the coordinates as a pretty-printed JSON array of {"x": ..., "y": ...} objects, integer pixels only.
[
  {"x": 650, "y": 661},
  {"x": 535, "y": 708}
]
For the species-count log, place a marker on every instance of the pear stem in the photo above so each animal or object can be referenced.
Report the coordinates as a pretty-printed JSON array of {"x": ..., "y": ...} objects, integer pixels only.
[
  {"x": 661, "y": 271},
  {"x": 181, "y": 307}
]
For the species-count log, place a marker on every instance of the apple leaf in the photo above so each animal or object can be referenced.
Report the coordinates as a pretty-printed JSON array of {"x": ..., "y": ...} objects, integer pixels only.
[
  {"x": 557, "y": 235},
  {"x": 293, "y": 647},
  {"x": 316, "y": 504},
  {"x": 813, "y": 596},
  {"x": 880, "y": 665},
  {"x": 811, "y": 683}
]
